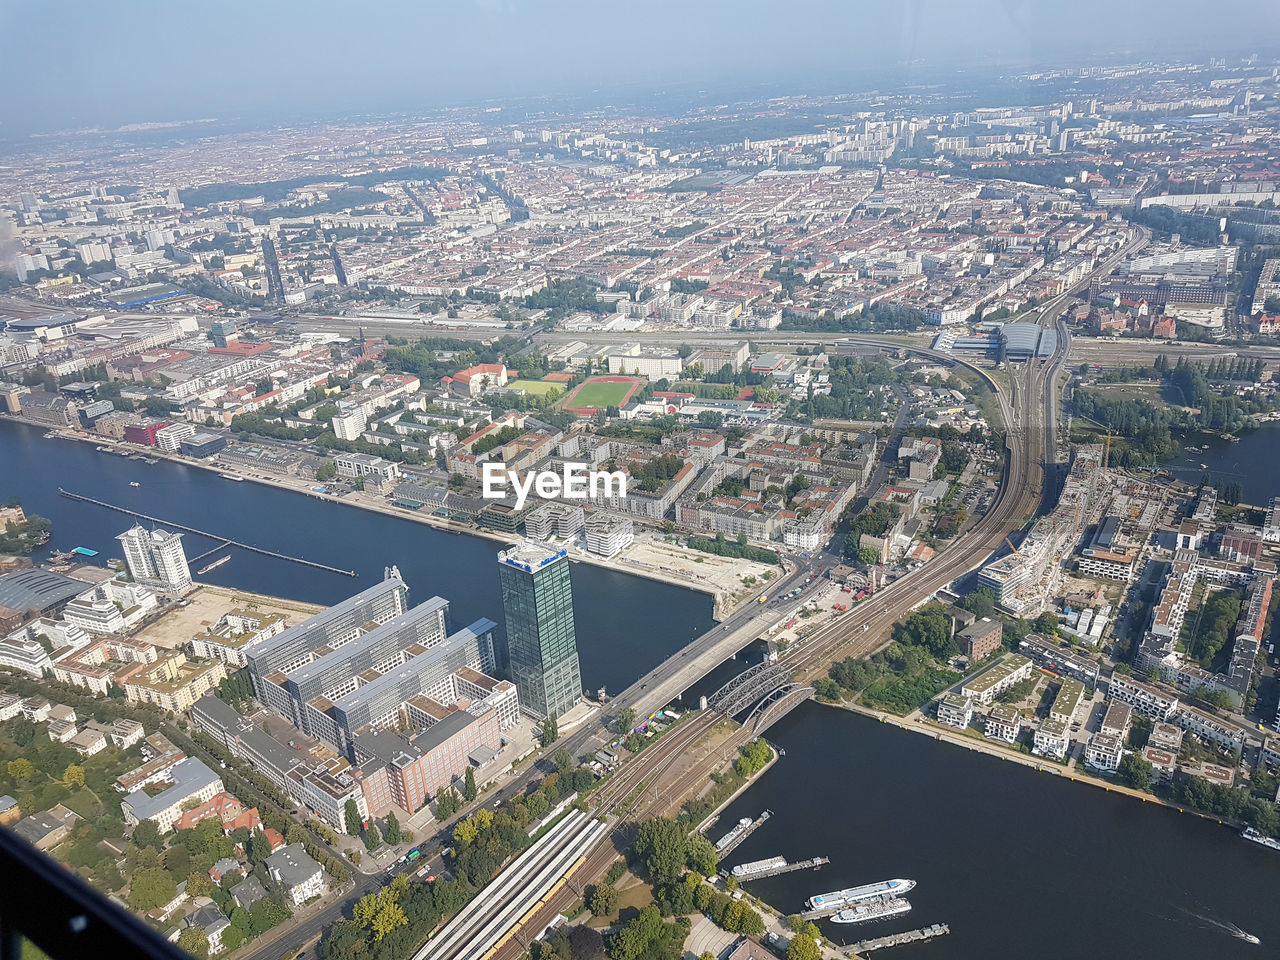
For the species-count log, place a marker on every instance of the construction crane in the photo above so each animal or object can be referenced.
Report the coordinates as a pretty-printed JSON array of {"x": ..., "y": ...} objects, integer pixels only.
[{"x": 1014, "y": 549}]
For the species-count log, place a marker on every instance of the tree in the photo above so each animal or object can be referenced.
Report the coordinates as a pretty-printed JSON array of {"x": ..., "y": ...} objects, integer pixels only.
[
  {"x": 147, "y": 834},
  {"x": 1135, "y": 772},
  {"x": 626, "y": 719},
  {"x": 372, "y": 838},
  {"x": 151, "y": 887},
  {"x": 661, "y": 846},
  {"x": 981, "y": 602},
  {"x": 469, "y": 785},
  {"x": 194, "y": 941},
  {"x": 1047, "y": 624},
  {"x": 263, "y": 386},
  {"x": 868, "y": 555},
  {"x": 550, "y": 731},
  {"x": 803, "y": 947},
  {"x": 711, "y": 419},
  {"x": 326, "y": 471},
  {"x": 700, "y": 855},
  {"x": 563, "y": 760},
  {"x": 603, "y": 900},
  {"x": 21, "y": 769},
  {"x": 352, "y": 816},
  {"x": 73, "y": 776},
  {"x": 391, "y": 829}
]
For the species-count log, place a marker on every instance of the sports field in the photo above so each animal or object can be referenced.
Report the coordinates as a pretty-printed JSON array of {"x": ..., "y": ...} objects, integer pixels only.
[
  {"x": 539, "y": 388},
  {"x": 601, "y": 392}
]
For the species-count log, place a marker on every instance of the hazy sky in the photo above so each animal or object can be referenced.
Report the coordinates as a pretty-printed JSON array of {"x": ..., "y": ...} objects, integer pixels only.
[{"x": 73, "y": 63}]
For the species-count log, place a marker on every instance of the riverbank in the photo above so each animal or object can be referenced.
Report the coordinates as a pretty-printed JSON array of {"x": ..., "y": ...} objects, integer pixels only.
[
  {"x": 928, "y": 728},
  {"x": 725, "y": 603}
]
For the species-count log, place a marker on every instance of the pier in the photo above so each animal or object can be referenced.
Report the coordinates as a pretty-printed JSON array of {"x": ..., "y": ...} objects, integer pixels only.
[
  {"x": 773, "y": 867},
  {"x": 731, "y": 840},
  {"x": 894, "y": 939},
  {"x": 223, "y": 542}
]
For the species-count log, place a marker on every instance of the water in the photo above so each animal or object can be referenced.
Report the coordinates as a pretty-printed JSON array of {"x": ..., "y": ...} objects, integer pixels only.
[
  {"x": 1018, "y": 863},
  {"x": 626, "y": 625},
  {"x": 1253, "y": 462}
]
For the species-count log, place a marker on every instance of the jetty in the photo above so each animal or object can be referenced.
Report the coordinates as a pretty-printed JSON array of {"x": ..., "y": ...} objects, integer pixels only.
[
  {"x": 741, "y": 830},
  {"x": 222, "y": 541},
  {"x": 772, "y": 867},
  {"x": 895, "y": 939}
]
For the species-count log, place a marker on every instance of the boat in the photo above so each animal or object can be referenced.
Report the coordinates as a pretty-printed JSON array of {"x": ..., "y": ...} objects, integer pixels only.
[
  {"x": 134, "y": 483},
  {"x": 1251, "y": 834},
  {"x": 879, "y": 909},
  {"x": 732, "y": 835},
  {"x": 212, "y": 566},
  {"x": 231, "y": 476},
  {"x": 868, "y": 891},
  {"x": 758, "y": 866}
]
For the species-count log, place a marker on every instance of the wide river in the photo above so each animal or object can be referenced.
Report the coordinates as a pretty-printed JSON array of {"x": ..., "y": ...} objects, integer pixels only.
[
  {"x": 1020, "y": 864},
  {"x": 626, "y": 625},
  {"x": 1253, "y": 461}
]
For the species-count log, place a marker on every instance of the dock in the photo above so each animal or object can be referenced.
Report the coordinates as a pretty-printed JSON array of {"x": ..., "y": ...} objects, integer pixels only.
[
  {"x": 733, "y": 839},
  {"x": 895, "y": 939},
  {"x": 222, "y": 541},
  {"x": 775, "y": 866}
]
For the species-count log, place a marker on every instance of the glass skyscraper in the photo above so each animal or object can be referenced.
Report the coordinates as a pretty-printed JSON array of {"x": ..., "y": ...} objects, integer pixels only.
[{"x": 542, "y": 649}]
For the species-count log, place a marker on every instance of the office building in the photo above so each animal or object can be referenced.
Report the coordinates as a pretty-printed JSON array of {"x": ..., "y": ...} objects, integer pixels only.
[
  {"x": 156, "y": 558},
  {"x": 542, "y": 650}
]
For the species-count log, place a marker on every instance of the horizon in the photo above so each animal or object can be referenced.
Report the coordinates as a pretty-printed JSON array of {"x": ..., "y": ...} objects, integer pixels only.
[{"x": 497, "y": 53}]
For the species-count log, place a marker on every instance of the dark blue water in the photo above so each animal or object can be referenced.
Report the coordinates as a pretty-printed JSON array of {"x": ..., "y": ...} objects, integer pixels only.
[
  {"x": 1018, "y": 863},
  {"x": 1253, "y": 462},
  {"x": 626, "y": 625}
]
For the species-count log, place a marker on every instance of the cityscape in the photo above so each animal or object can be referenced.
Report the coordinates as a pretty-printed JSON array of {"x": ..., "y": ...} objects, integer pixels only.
[{"x": 653, "y": 520}]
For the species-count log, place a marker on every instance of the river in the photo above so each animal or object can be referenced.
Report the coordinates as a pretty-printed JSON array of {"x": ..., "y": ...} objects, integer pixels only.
[
  {"x": 626, "y": 625},
  {"x": 1253, "y": 461},
  {"x": 1018, "y": 863}
]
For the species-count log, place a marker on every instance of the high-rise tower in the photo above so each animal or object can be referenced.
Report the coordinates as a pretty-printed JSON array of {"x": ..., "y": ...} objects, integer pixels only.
[{"x": 542, "y": 649}]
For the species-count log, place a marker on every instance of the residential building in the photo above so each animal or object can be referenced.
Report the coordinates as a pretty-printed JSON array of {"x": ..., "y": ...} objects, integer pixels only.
[
  {"x": 1117, "y": 720},
  {"x": 1003, "y": 723},
  {"x": 997, "y": 678},
  {"x": 1067, "y": 701},
  {"x": 1211, "y": 729},
  {"x": 237, "y": 632},
  {"x": 1144, "y": 698},
  {"x": 1163, "y": 762},
  {"x": 48, "y": 829},
  {"x": 955, "y": 711},
  {"x": 191, "y": 780},
  {"x": 173, "y": 682},
  {"x": 156, "y": 558},
  {"x": 297, "y": 874},
  {"x": 1052, "y": 739},
  {"x": 1103, "y": 752},
  {"x": 25, "y": 654}
]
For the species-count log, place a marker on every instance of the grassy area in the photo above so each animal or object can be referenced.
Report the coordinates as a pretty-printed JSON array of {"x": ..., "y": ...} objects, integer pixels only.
[
  {"x": 539, "y": 388},
  {"x": 601, "y": 394}
]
